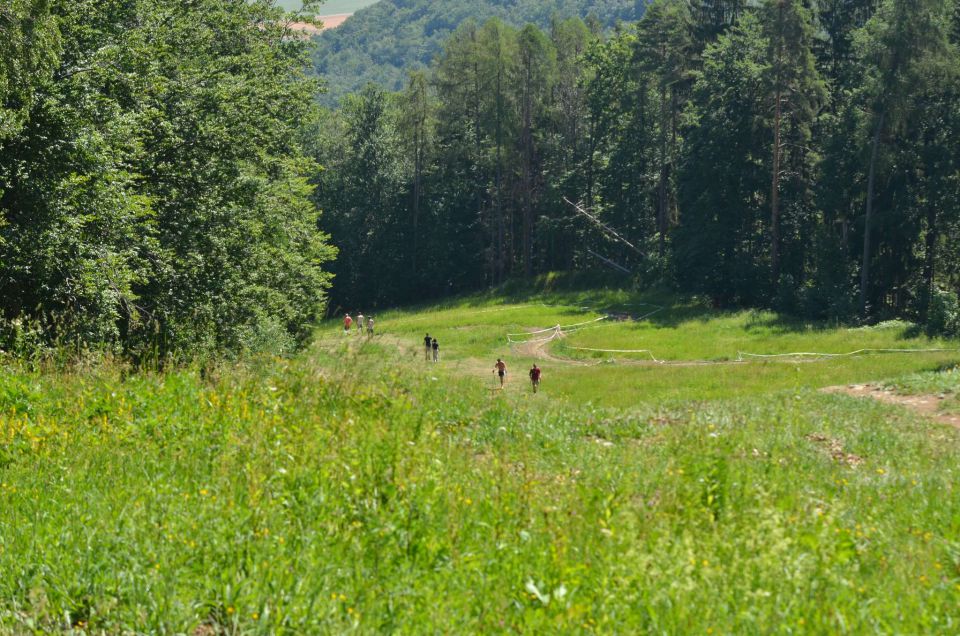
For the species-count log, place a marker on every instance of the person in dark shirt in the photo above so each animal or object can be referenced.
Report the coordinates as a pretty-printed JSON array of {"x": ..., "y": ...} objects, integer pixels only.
[
  {"x": 535, "y": 377},
  {"x": 427, "y": 347},
  {"x": 436, "y": 350}
]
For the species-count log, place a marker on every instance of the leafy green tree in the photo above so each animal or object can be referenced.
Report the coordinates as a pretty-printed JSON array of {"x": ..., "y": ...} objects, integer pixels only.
[
  {"x": 29, "y": 47},
  {"x": 797, "y": 92},
  {"x": 157, "y": 193},
  {"x": 533, "y": 82},
  {"x": 900, "y": 44},
  {"x": 666, "y": 48},
  {"x": 722, "y": 239}
]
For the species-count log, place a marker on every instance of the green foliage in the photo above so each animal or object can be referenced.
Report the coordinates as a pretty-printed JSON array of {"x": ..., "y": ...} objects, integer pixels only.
[
  {"x": 382, "y": 43},
  {"x": 156, "y": 197},
  {"x": 944, "y": 313}
]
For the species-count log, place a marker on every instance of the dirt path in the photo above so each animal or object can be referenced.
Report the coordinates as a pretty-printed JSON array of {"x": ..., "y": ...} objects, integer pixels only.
[
  {"x": 924, "y": 404},
  {"x": 541, "y": 351}
]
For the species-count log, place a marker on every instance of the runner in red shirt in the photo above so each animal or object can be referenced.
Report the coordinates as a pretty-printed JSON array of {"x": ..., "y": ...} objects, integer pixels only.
[
  {"x": 535, "y": 377},
  {"x": 347, "y": 322}
]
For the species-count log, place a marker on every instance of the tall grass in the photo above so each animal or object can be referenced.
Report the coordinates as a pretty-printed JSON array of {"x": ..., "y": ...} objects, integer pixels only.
[
  {"x": 354, "y": 490},
  {"x": 280, "y": 499}
]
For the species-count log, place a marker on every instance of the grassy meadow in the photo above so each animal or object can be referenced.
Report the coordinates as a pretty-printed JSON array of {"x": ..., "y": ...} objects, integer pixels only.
[{"x": 358, "y": 489}]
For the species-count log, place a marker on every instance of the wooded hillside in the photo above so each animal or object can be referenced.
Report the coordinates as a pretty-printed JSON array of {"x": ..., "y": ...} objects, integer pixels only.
[{"x": 382, "y": 43}]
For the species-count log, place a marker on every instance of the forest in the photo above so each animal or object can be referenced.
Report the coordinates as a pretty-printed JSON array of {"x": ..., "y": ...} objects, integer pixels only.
[
  {"x": 795, "y": 155},
  {"x": 386, "y": 41},
  {"x": 169, "y": 183}
]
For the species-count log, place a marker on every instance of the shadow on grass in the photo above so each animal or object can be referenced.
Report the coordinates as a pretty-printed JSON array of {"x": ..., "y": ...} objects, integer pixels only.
[{"x": 573, "y": 294}]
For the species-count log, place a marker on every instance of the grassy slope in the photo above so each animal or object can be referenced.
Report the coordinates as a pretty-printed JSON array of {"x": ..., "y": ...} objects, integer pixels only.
[
  {"x": 347, "y": 490},
  {"x": 473, "y": 332}
]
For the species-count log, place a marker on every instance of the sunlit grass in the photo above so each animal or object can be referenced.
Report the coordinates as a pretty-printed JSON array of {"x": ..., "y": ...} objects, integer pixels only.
[{"x": 358, "y": 489}]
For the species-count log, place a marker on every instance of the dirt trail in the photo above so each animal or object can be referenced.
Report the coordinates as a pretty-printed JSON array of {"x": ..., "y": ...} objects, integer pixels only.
[{"x": 924, "y": 404}]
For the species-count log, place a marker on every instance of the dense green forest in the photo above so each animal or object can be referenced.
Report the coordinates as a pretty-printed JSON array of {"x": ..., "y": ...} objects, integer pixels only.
[
  {"x": 382, "y": 43},
  {"x": 161, "y": 179},
  {"x": 798, "y": 155},
  {"x": 154, "y": 192}
]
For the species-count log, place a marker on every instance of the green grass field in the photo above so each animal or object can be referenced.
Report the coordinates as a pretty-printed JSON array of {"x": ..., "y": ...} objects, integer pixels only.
[{"x": 357, "y": 488}]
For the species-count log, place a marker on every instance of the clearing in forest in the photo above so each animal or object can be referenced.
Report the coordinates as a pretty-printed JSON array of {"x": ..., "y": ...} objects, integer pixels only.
[
  {"x": 356, "y": 487},
  {"x": 619, "y": 349}
]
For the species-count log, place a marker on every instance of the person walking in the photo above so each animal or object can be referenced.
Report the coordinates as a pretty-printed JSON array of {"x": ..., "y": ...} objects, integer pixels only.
[
  {"x": 500, "y": 368},
  {"x": 370, "y": 327},
  {"x": 359, "y": 324},
  {"x": 427, "y": 347},
  {"x": 535, "y": 377},
  {"x": 347, "y": 322},
  {"x": 436, "y": 350}
]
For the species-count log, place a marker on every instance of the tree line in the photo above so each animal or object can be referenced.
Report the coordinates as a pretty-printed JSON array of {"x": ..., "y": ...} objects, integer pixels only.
[
  {"x": 795, "y": 154},
  {"x": 155, "y": 194}
]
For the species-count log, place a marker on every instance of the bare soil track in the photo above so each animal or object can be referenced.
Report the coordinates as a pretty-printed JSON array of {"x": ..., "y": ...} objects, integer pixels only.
[{"x": 923, "y": 404}]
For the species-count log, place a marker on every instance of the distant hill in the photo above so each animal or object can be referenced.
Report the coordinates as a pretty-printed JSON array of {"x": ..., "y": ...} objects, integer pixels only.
[{"x": 382, "y": 42}]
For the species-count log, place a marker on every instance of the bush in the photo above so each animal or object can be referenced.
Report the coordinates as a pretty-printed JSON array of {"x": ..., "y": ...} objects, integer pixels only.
[{"x": 943, "y": 314}]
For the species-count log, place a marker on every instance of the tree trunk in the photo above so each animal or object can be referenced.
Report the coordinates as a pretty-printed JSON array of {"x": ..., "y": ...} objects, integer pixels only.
[
  {"x": 499, "y": 185},
  {"x": 868, "y": 218},
  {"x": 930, "y": 258},
  {"x": 775, "y": 192},
  {"x": 663, "y": 207},
  {"x": 527, "y": 220}
]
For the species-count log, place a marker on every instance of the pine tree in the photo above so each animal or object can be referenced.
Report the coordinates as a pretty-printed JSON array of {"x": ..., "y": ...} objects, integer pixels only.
[
  {"x": 796, "y": 92},
  {"x": 900, "y": 40}
]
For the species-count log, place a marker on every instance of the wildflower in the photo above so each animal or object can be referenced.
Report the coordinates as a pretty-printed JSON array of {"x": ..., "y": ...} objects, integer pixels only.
[
  {"x": 204, "y": 492},
  {"x": 255, "y": 616},
  {"x": 230, "y": 610},
  {"x": 881, "y": 471}
]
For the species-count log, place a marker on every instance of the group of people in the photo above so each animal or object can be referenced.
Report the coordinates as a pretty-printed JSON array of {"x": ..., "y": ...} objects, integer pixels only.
[
  {"x": 431, "y": 351},
  {"x": 500, "y": 368},
  {"x": 431, "y": 347},
  {"x": 348, "y": 323}
]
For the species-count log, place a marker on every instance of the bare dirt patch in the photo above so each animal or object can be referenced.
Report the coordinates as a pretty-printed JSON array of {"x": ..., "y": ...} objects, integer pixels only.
[
  {"x": 329, "y": 22},
  {"x": 835, "y": 448},
  {"x": 925, "y": 404}
]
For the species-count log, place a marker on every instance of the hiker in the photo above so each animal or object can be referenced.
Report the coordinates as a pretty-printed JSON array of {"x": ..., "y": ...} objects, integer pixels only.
[
  {"x": 359, "y": 324},
  {"x": 436, "y": 350},
  {"x": 427, "y": 347},
  {"x": 370, "y": 327},
  {"x": 500, "y": 368},
  {"x": 346, "y": 324},
  {"x": 535, "y": 377}
]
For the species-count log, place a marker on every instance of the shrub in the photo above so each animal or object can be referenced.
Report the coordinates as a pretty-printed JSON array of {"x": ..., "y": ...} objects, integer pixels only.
[{"x": 943, "y": 314}]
